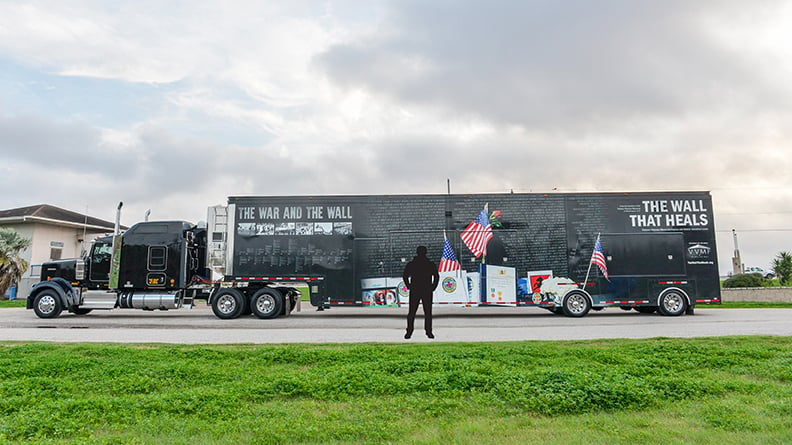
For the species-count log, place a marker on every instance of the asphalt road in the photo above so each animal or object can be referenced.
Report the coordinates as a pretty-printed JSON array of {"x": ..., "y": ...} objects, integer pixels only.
[{"x": 355, "y": 325}]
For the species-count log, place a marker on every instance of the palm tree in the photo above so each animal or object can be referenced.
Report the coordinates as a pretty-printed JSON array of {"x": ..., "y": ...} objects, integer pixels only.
[
  {"x": 782, "y": 266},
  {"x": 12, "y": 265}
]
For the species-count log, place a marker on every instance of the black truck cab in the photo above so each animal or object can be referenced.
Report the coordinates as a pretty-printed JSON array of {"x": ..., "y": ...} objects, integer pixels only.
[
  {"x": 150, "y": 266},
  {"x": 91, "y": 271},
  {"x": 164, "y": 255}
]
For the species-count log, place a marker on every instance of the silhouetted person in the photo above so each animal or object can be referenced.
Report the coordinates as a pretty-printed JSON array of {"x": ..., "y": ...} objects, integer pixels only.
[{"x": 421, "y": 277}]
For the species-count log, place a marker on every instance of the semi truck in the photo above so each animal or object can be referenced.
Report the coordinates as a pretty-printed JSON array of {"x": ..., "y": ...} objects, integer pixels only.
[{"x": 257, "y": 254}]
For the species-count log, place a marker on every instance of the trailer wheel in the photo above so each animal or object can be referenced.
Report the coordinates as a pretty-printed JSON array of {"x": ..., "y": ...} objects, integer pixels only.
[
  {"x": 576, "y": 304},
  {"x": 267, "y": 303},
  {"x": 672, "y": 302},
  {"x": 47, "y": 304},
  {"x": 646, "y": 309},
  {"x": 228, "y": 304}
]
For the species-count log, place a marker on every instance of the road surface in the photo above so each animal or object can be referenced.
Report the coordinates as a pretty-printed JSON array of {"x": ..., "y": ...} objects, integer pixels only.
[{"x": 355, "y": 325}]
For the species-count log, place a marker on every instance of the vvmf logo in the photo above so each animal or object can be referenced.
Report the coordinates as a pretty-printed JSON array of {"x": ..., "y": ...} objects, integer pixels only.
[{"x": 699, "y": 250}]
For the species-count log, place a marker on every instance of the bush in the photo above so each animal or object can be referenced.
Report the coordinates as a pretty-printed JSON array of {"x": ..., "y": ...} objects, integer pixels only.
[{"x": 744, "y": 280}]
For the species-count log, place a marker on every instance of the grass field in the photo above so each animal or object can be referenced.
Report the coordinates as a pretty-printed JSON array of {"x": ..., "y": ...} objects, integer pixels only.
[{"x": 719, "y": 391}]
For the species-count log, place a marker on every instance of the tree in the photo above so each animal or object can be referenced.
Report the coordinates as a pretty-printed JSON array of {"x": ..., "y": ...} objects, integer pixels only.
[
  {"x": 782, "y": 266},
  {"x": 12, "y": 265}
]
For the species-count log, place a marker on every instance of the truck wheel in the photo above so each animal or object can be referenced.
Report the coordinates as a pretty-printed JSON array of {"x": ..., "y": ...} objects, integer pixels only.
[
  {"x": 576, "y": 304},
  {"x": 47, "y": 304},
  {"x": 81, "y": 311},
  {"x": 672, "y": 302},
  {"x": 267, "y": 303},
  {"x": 228, "y": 304}
]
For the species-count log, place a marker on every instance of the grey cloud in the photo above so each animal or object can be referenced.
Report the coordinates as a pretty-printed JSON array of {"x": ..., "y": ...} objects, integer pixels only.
[
  {"x": 51, "y": 144},
  {"x": 543, "y": 63}
]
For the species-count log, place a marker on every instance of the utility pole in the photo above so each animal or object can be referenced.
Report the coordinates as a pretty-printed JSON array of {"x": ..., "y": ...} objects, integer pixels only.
[
  {"x": 85, "y": 229},
  {"x": 736, "y": 261}
]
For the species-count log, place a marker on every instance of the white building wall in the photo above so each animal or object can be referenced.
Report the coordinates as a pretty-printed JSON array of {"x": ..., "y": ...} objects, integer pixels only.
[{"x": 45, "y": 237}]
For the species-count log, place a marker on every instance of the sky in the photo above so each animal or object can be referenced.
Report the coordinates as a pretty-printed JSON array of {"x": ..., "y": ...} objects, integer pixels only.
[{"x": 174, "y": 106}]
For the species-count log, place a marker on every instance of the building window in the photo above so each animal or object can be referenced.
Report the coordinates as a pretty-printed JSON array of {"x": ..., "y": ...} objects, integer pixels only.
[{"x": 56, "y": 250}]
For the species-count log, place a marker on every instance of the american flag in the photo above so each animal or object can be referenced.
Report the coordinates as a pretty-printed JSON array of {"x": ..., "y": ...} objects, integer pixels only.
[
  {"x": 448, "y": 261},
  {"x": 477, "y": 234},
  {"x": 598, "y": 258}
]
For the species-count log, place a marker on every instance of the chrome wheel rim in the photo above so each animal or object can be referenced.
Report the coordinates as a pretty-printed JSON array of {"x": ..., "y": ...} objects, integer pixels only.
[
  {"x": 576, "y": 303},
  {"x": 672, "y": 302},
  {"x": 265, "y": 304},
  {"x": 226, "y": 304},
  {"x": 46, "y": 304}
]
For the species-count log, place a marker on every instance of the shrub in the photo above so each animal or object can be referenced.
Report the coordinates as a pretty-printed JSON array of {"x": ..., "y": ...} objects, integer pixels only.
[{"x": 744, "y": 280}]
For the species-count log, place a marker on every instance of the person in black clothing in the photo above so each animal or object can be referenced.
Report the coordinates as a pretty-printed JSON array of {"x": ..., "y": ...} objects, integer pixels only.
[{"x": 421, "y": 278}]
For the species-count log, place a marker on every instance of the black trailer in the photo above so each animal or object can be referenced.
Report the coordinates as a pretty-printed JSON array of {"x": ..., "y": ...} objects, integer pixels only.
[{"x": 658, "y": 248}]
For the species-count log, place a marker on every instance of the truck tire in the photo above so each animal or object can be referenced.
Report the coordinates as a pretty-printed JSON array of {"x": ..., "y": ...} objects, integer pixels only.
[
  {"x": 228, "y": 304},
  {"x": 81, "y": 311},
  {"x": 47, "y": 304},
  {"x": 267, "y": 303},
  {"x": 576, "y": 304},
  {"x": 672, "y": 302}
]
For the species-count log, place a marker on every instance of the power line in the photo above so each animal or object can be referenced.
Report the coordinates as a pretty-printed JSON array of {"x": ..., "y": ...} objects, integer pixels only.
[
  {"x": 756, "y": 230},
  {"x": 755, "y": 213}
]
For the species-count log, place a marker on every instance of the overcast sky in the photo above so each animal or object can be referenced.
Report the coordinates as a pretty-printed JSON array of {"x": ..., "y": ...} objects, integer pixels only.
[{"x": 173, "y": 106}]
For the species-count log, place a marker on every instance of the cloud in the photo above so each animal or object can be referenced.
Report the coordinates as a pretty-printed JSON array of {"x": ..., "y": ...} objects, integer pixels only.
[
  {"x": 174, "y": 106},
  {"x": 556, "y": 65}
]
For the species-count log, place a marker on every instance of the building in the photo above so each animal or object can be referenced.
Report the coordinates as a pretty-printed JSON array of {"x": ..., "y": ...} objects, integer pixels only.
[{"x": 55, "y": 233}]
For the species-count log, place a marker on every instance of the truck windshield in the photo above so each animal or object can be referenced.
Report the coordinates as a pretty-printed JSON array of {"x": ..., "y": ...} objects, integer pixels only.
[{"x": 101, "y": 252}]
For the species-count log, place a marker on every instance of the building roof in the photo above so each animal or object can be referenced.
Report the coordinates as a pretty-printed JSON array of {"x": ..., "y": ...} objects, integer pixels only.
[{"x": 47, "y": 214}]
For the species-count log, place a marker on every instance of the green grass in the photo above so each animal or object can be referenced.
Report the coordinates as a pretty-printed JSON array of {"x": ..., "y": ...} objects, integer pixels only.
[
  {"x": 12, "y": 303},
  {"x": 715, "y": 390},
  {"x": 747, "y": 305},
  {"x": 306, "y": 294}
]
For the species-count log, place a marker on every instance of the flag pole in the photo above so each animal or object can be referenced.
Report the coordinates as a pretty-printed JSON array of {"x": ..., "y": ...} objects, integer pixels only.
[
  {"x": 484, "y": 255},
  {"x": 589, "y": 264}
]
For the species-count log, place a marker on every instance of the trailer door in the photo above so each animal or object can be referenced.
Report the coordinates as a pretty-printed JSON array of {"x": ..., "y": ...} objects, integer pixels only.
[{"x": 644, "y": 254}]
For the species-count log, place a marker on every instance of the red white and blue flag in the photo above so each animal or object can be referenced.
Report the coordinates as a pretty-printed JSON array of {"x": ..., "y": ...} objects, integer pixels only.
[
  {"x": 598, "y": 258},
  {"x": 448, "y": 261},
  {"x": 477, "y": 234}
]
